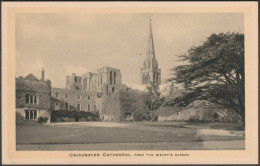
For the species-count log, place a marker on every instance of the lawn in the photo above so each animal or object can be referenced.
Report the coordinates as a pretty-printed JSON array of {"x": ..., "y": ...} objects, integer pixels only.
[{"x": 124, "y": 136}]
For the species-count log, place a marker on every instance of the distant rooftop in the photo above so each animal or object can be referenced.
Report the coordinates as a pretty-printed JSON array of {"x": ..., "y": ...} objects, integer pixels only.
[
  {"x": 31, "y": 77},
  {"x": 136, "y": 86},
  {"x": 108, "y": 68}
]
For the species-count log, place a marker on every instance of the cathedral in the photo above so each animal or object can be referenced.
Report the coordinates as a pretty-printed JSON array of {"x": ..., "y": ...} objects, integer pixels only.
[
  {"x": 150, "y": 73},
  {"x": 91, "y": 92}
]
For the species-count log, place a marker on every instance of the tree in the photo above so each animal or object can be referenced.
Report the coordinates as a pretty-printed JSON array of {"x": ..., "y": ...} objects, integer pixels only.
[
  {"x": 153, "y": 100},
  {"x": 141, "y": 114},
  {"x": 214, "y": 71}
]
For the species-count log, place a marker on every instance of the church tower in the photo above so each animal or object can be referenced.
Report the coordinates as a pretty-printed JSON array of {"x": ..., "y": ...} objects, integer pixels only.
[{"x": 150, "y": 71}]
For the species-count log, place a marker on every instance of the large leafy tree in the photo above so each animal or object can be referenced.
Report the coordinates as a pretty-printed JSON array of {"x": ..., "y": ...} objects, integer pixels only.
[
  {"x": 214, "y": 71},
  {"x": 153, "y": 100}
]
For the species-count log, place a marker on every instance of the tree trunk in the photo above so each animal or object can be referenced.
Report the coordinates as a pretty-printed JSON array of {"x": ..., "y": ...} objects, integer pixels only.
[{"x": 241, "y": 114}]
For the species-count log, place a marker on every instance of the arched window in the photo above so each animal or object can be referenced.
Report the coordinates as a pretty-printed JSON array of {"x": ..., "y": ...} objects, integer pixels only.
[
  {"x": 115, "y": 78},
  {"x": 148, "y": 78},
  {"x": 101, "y": 78},
  {"x": 154, "y": 78},
  {"x": 111, "y": 77},
  {"x": 113, "y": 89},
  {"x": 157, "y": 78}
]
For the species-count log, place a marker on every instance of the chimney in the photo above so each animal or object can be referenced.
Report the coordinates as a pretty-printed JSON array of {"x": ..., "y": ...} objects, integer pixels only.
[{"x": 43, "y": 74}]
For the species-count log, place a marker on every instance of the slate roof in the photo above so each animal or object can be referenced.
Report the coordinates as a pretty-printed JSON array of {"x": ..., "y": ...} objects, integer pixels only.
[
  {"x": 31, "y": 84},
  {"x": 31, "y": 77}
]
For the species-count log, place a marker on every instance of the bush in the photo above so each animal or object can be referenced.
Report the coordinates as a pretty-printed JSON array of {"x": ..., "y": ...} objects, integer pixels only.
[
  {"x": 194, "y": 120},
  {"x": 94, "y": 118},
  {"x": 42, "y": 120},
  {"x": 90, "y": 116},
  {"x": 63, "y": 120},
  {"x": 19, "y": 119},
  {"x": 141, "y": 116}
]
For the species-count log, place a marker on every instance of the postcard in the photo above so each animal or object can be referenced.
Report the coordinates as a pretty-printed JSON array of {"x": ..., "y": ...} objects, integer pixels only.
[{"x": 130, "y": 83}]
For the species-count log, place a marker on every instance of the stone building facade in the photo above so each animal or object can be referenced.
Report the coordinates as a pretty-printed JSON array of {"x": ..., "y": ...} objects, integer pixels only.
[
  {"x": 33, "y": 97},
  {"x": 82, "y": 92},
  {"x": 150, "y": 71},
  {"x": 108, "y": 80},
  {"x": 100, "y": 92},
  {"x": 121, "y": 105},
  {"x": 69, "y": 100}
]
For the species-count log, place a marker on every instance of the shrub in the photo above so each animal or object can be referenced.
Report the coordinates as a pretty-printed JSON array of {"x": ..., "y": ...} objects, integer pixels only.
[
  {"x": 141, "y": 116},
  {"x": 19, "y": 119},
  {"x": 94, "y": 118},
  {"x": 194, "y": 120},
  {"x": 63, "y": 120},
  {"x": 42, "y": 120},
  {"x": 90, "y": 116}
]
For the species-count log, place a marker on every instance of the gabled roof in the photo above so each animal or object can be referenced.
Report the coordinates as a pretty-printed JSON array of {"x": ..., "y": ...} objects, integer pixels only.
[
  {"x": 31, "y": 77},
  {"x": 28, "y": 85}
]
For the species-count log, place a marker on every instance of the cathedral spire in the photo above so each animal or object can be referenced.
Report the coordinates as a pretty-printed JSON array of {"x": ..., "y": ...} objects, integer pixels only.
[
  {"x": 150, "y": 71},
  {"x": 150, "y": 32},
  {"x": 150, "y": 53}
]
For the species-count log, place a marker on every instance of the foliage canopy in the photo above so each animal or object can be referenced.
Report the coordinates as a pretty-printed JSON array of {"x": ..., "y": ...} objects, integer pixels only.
[{"x": 214, "y": 71}]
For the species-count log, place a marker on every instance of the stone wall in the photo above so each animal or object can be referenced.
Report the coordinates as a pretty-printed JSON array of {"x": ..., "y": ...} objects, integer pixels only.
[
  {"x": 89, "y": 81},
  {"x": 86, "y": 98},
  {"x": 39, "y": 92},
  {"x": 174, "y": 114},
  {"x": 74, "y": 82},
  {"x": 109, "y": 107},
  {"x": 200, "y": 110},
  {"x": 40, "y": 113},
  {"x": 205, "y": 114},
  {"x": 116, "y": 106},
  {"x": 103, "y": 79},
  {"x": 39, "y": 89}
]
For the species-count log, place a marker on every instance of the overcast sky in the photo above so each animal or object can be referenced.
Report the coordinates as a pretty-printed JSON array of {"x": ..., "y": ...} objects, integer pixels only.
[{"x": 78, "y": 43}]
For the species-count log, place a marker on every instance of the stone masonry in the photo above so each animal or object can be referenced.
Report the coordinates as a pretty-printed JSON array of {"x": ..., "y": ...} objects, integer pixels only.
[{"x": 33, "y": 97}]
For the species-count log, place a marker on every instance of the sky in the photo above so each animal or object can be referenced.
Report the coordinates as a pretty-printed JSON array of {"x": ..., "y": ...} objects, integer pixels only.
[{"x": 66, "y": 43}]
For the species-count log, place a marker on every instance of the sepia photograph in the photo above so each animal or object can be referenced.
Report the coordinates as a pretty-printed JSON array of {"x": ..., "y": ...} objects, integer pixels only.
[
  {"x": 130, "y": 81},
  {"x": 112, "y": 83}
]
